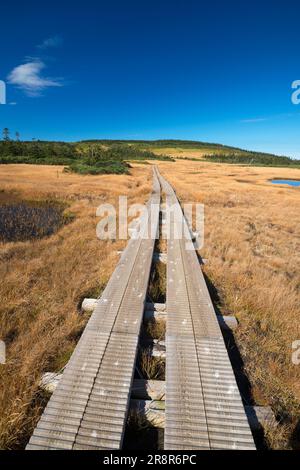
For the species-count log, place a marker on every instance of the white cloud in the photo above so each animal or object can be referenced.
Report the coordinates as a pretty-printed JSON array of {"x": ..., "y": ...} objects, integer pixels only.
[
  {"x": 268, "y": 118},
  {"x": 54, "y": 41},
  {"x": 28, "y": 78},
  {"x": 254, "y": 120}
]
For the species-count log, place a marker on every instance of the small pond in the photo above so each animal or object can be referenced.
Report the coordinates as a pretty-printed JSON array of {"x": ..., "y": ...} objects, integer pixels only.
[
  {"x": 20, "y": 221},
  {"x": 294, "y": 183}
]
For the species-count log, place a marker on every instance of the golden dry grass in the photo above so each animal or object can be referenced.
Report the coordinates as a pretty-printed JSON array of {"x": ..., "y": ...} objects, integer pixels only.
[
  {"x": 155, "y": 329},
  {"x": 157, "y": 283},
  {"x": 253, "y": 247},
  {"x": 151, "y": 367},
  {"x": 43, "y": 282},
  {"x": 252, "y": 244},
  {"x": 177, "y": 152}
]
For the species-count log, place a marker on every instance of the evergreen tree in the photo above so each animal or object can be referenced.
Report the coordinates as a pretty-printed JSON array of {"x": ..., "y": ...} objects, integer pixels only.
[{"x": 5, "y": 133}]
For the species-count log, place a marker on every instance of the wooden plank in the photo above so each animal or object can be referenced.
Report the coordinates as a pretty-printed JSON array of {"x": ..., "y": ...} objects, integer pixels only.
[
  {"x": 147, "y": 401},
  {"x": 94, "y": 390},
  {"x": 201, "y": 390}
]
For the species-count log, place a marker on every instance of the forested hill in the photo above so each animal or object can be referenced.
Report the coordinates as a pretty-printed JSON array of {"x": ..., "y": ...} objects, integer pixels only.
[{"x": 114, "y": 156}]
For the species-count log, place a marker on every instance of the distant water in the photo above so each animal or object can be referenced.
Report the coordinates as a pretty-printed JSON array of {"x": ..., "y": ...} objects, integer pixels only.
[{"x": 289, "y": 182}]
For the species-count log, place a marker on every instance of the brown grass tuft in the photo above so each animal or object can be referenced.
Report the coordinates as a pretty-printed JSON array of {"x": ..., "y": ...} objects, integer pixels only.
[
  {"x": 152, "y": 368},
  {"x": 157, "y": 283},
  {"x": 155, "y": 329}
]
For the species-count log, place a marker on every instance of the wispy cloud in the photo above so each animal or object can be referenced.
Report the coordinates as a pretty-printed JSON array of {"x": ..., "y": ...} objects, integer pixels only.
[
  {"x": 268, "y": 118},
  {"x": 54, "y": 41},
  {"x": 28, "y": 77},
  {"x": 254, "y": 120}
]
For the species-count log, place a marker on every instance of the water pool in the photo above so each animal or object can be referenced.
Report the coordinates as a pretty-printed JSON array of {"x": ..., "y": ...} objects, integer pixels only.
[{"x": 294, "y": 183}]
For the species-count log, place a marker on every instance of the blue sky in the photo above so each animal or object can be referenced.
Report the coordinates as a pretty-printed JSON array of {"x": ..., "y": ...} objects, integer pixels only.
[{"x": 212, "y": 71}]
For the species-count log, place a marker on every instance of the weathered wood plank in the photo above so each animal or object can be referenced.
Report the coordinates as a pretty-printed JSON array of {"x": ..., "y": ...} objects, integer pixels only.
[
  {"x": 94, "y": 390},
  {"x": 200, "y": 385}
]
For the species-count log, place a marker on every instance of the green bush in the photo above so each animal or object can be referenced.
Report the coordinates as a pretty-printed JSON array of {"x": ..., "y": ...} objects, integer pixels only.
[{"x": 99, "y": 168}]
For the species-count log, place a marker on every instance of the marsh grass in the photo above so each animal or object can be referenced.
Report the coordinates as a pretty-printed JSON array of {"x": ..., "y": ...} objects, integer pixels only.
[
  {"x": 157, "y": 283},
  {"x": 151, "y": 367},
  {"x": 155, "y": 329},
  {"x": 44, "y": 279},
  {"x": 140, "y": 434},
  {"x": 253, "y": 251}
]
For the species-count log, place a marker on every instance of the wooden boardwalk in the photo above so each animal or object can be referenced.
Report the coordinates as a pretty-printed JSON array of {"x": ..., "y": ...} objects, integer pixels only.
[
  {"x": 88, "y": 409},
  {"x": 204, "y": 409}
]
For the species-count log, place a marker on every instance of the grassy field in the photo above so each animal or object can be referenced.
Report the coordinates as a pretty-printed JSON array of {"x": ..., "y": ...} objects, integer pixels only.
[
  {"x": 46, "y": 279},
  {"x": 253, "y": 247},
  {"x": 220, "y": 154},
  {"x": 251, "y": 242},
  {"x": 179, "y": 152}
]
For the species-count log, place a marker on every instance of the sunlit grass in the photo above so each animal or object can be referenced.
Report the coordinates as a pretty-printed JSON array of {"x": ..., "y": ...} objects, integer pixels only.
[
  {"x": 252, "y": 247},
  {"x": 44, "y": 280}
]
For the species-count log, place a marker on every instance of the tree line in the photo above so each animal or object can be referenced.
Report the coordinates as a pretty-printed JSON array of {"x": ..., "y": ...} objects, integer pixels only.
[
  {"x": 252, "y": 158},
  {"x": 82, "y": 157},
  {"x": 6, "y": 135}
]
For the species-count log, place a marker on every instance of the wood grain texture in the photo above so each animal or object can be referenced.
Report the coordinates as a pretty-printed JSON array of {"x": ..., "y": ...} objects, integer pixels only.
[
  {"x": 88, "y": 409},
  {"x": 204, "y": 409}
]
